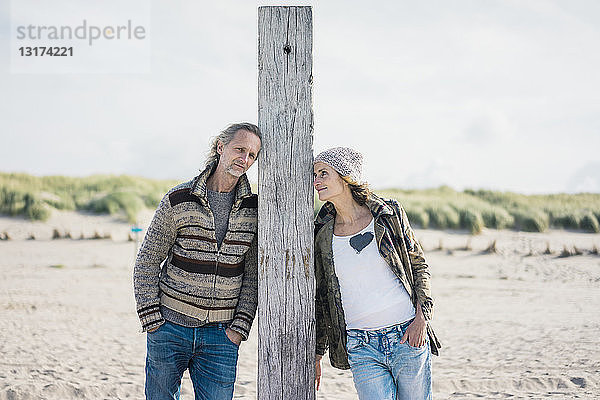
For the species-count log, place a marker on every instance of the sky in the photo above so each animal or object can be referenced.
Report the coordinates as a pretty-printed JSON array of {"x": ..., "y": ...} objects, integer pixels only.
[{"x": 501, "y": 95}]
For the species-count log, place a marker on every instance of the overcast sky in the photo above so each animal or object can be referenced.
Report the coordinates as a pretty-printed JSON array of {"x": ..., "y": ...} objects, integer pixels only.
[{"x": 501, "y": 95}]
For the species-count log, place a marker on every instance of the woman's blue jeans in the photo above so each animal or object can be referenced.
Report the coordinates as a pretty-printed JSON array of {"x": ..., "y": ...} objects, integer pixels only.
[
  {"x": 208, "y": 353},
  {"x": 385, "y": 369}
]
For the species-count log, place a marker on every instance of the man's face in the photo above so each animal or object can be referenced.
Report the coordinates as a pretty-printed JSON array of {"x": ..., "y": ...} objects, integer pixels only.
[{"x": 240, "y": 153}]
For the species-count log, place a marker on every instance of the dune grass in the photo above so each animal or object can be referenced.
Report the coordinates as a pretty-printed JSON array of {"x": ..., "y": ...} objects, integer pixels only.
[
  {"x": 538, "y": 212},
  {"x": 35, "y": 197},
  {"x": 472, "y": 210},
  {"x": 441, "y": 208},
  {"x": 445, "y": 208}
]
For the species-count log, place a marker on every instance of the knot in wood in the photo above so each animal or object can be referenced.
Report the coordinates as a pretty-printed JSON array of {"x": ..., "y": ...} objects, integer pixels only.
[{"x": 287, "y": 49}]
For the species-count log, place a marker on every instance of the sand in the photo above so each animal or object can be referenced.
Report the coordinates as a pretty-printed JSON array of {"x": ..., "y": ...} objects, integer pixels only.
[{"x": 517, "y": 323}]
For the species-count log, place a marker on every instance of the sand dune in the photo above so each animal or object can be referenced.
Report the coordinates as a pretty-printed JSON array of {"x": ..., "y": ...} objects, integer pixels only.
[{"x": 516, "y": 323}]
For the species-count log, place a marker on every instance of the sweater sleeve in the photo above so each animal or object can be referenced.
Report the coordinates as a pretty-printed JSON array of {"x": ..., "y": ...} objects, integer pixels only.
[
  {"x": 248, "y": 299},
  {"x": 146, "y": 273}
]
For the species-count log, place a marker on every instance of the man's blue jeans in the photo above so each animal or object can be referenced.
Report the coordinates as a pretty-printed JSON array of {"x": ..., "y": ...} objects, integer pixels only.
[
  {"x": 208, "y": 353},
  {"x": 385, "y": 369}
]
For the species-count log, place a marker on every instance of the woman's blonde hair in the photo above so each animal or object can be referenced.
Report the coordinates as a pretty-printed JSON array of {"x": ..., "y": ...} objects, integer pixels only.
[{"x": 360, "y": 191}]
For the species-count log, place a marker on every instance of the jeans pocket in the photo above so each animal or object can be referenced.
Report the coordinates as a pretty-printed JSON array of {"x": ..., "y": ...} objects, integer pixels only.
[
  {"x": 224, "y": 330},
  {"x": 157, "y": 329},
  {"x": 353, "y": 343},
  {"x": 417, "y": 348}
]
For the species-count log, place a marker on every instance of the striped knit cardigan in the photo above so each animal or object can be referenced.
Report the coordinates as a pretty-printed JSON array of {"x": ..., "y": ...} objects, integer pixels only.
[{"x": 179, "y": 265}]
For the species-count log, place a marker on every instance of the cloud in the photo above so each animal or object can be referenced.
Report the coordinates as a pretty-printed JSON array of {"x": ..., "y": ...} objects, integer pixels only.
[
  {"x": 435, "y": 173},
  {"x": 586, "y": 179},
  {"x": 502, "y": 94},
  {"x": 488, "y": 128}
]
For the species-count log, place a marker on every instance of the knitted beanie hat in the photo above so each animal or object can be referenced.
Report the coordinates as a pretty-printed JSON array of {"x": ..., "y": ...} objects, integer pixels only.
[{"x": 346, "y": 161}]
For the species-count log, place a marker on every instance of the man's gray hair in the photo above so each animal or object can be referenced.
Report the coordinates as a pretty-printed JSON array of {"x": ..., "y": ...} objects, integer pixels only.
[{"x": 226, "y": 136}]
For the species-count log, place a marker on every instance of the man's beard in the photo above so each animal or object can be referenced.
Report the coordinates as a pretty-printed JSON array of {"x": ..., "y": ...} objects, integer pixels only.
[{"x": 231, "y": 170}]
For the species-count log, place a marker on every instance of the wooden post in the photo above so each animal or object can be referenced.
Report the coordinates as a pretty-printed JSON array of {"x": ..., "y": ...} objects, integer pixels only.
[{"x": 286, "y": 317}]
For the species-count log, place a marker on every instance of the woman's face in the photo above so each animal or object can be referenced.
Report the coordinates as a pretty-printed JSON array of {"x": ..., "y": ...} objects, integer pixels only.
[{"x": 328, "y": 183}]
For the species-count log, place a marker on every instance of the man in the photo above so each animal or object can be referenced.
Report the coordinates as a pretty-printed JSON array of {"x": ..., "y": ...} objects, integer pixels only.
[{"x": 199, "y": 305}]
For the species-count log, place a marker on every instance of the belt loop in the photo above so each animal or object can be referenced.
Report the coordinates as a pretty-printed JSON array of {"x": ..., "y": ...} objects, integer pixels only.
[{"x": 364, "y": 336}]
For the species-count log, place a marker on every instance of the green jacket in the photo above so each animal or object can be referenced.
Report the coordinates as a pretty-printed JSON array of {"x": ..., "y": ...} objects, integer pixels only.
[{"x": 398, "y": 247}]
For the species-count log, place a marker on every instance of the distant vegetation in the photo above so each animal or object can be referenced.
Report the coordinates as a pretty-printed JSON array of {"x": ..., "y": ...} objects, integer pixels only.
[
  {"x": 441, "y": 208},
  {"x": 473, "y": 210},
  {"x": 36, "y": 197},
  {"x": 445, "y": 208}
]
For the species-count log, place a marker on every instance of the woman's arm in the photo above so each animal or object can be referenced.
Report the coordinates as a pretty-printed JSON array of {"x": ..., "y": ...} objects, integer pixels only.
[
  {"x": 420, "y": 269},
  {"x": 321, "y": 323}
]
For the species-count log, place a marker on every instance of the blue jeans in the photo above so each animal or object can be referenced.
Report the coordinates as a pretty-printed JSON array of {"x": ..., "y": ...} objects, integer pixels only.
[
  {"x": 208, "y": 353},
  {"x": 385, "y": 369}
]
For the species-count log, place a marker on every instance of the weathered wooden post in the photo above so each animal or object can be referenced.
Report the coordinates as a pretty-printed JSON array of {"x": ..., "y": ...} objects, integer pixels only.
[{"x": 286, "y": 342}]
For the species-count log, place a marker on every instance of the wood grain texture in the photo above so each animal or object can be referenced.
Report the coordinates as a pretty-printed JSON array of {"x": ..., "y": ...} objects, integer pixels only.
[{"x": 286, "y": 315}]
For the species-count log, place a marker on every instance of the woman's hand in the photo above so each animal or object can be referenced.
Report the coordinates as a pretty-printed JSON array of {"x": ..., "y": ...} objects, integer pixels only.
[
  {"x": 416, "y": 333},
  {"x": 318, "y": 371}
]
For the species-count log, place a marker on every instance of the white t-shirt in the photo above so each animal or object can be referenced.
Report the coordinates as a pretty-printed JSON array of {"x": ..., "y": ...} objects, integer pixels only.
[{"x": 372, "y": 296}]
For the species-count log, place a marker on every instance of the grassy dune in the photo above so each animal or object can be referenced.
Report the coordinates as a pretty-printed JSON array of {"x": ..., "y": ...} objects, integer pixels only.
[
  {"x": 36, "y": 197},
  {"x": 445, "y": 208},
  {"x": 441, "y": 208}
]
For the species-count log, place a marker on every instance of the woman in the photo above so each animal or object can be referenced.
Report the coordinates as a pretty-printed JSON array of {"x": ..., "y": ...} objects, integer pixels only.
[{"x": 368, "y": 260}]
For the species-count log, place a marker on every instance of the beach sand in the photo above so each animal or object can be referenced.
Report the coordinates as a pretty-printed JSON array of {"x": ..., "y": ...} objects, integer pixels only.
[{"x": 516, "y": 323}]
